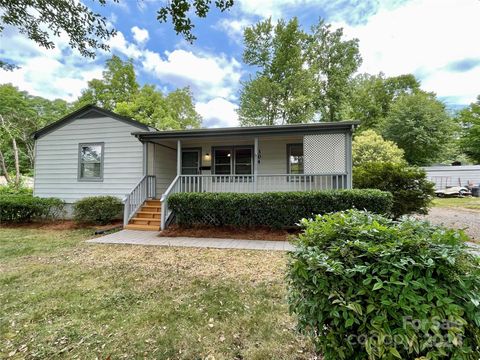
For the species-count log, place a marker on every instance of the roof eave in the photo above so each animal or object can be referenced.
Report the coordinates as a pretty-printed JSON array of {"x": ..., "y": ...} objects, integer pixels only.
[{"x": 258, "y": 130}]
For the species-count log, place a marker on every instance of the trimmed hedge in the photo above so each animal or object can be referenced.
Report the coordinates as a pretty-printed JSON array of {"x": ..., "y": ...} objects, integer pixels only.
[
  {"x": 275, "y": 209},
  {"x": 26, "y": 208},
  {"x": 365, "y": 287},
  {"x": 97, "y": 209}
]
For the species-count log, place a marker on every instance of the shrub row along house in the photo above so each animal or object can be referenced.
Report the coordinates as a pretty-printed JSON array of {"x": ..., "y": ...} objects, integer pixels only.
[{"x": 97, "y": 152}]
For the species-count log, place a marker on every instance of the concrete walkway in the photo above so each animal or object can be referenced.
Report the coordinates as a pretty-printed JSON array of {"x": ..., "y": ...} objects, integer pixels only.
[{"x": 135, "y": 237}]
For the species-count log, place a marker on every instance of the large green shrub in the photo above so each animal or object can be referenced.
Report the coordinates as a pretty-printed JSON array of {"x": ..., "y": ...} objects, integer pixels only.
[
  {"x": 365, "y": 287},
  {"x": 369, "y": 146},
  {"x": 25, "y": 208},
  {"x": 97, "y": 209},
  {"x": 412, "y": 192},
  {"x": 275, "y": 209}
]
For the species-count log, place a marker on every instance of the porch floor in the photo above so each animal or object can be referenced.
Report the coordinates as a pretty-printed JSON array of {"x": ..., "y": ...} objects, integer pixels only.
[{"x": 134, "y": 237}]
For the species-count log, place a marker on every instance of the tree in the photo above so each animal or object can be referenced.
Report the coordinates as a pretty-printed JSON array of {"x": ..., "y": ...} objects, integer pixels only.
[
  {"x": 20, "y": 115},
  {"x": 469, "y": 118},
  {"x": 118, "y": 84},
  {"x": 282, "y": 91},
  {"x": 119, "y": 91},
  {"x": 372, "y": 96},
  {"x": 172, "y": 112},
  {"x": 300, "y": 76},
  {"x": 333, "y": 62},
  {"x": 419, "y": 124},
  {"x": 86, "y": 30},
  {"x": 369, "y": 146},
  {"x": 179, "y": 11}
]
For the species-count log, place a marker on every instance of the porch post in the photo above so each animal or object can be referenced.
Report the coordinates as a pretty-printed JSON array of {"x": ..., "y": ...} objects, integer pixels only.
[
  {"x": 179, "y": 157},
  {"x": 145, "y": 158},
  {"x": 255, "y": 165},
  {"x": 348, "y": 159}
]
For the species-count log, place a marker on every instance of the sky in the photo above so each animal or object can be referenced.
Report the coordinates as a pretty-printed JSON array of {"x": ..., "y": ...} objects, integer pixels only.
[{"x": 437, "y": 40}]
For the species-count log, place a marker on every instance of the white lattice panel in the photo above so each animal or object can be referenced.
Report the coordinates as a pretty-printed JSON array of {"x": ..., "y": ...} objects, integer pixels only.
[{"x": 324, "y": 153}]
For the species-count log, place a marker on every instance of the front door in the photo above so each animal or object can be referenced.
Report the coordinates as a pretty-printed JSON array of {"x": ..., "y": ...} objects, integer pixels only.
[{"x": 191, "y": 166}]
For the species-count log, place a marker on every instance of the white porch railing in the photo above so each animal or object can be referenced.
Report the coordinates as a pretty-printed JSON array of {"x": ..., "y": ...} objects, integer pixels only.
[
  {"x": 172, "y": 189},
  {"x": 145, "y": 189},
  {"x": 250, "y": 184}
]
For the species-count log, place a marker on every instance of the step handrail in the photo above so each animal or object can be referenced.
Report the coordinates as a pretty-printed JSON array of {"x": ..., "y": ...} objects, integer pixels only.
[
  {"x": 172, "y": 188},
  {"x": 143, "y": 190}
]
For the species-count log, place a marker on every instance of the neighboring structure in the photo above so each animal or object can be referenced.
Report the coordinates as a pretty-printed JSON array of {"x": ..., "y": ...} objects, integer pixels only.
[
  {"x": 96, "y": 152},
  {"x": 444, "y": 176}
]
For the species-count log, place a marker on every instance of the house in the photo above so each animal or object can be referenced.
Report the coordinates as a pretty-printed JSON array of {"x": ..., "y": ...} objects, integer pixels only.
[{"x": 97, "y": 152}]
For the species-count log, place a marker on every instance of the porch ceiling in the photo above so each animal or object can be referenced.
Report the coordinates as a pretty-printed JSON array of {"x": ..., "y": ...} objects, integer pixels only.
[{"x": 226, "y": 140}]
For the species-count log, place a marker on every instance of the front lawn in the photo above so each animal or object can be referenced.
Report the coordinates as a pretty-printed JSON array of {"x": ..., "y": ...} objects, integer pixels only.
[
  {"x": 61, "y": 297},
  {"x": 465, "y": 202}
]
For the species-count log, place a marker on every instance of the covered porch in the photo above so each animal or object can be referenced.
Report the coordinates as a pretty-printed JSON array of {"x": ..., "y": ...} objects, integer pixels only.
[{"x": 243, "y": 160}]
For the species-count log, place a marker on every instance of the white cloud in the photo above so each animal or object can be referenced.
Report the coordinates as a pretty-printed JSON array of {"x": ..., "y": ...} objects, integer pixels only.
[
  {"x": 120, "y": 44},
  {"x": 208, "y": 75},
  {"x": 352, "y": 11},
  {"x": 50, "y": 73},
  {"x": 423, "y": 37},
  {"x": 141, "y": 36},
  {"x": 233, "y": 28},
  {"x": 218, "y": 112}
]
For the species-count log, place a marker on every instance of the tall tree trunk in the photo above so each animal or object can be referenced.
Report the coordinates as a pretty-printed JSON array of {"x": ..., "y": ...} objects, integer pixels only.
[
  {"x": 4, "y": 167},
  {"x": 17, "y": 164}
]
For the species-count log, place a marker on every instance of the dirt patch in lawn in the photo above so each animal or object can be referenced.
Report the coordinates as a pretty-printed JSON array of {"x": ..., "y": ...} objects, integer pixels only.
[
  {"x": 467, "y": 220},
  {"x": 227, "y": 232},
  {"x": 61, "y": 225}
]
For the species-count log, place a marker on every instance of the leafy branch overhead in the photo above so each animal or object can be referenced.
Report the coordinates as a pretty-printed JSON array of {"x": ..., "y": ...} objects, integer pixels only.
[
  {"x": 42, "y": 20},
  {"x": 178, "y": 11}
]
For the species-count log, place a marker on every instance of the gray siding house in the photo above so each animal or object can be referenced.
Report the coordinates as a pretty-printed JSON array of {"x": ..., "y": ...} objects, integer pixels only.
[{"x": 97, "y": 152}]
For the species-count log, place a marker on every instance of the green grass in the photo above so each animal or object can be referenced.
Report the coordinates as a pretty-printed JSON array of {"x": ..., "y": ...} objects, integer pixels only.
[
  {"x": 63, "y": 298},
  {"x": 465, "y": 202}
]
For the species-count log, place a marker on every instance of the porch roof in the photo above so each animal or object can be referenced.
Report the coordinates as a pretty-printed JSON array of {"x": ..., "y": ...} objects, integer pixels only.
[{"x": 324, "y": 127}]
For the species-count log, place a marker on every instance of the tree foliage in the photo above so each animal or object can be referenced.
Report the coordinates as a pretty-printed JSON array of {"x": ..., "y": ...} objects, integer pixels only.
[
  {"x": 180, "y": 10},
  {"x": 301, "y": 76},
  {"x": 469, "y": 118},
  {"x": 20, "y": 115},
  {"x": 419, "y": 124},
  {"x": 119, "y": 91},
  {"x": 333, "y": 61},
  {"x": 118, "y": 84},
  {"x": 372, "y": 96},
  {"x": 175, "y": 111},
  {"x": 369, "y": 146},
  {"x": 41, "y": 20}
]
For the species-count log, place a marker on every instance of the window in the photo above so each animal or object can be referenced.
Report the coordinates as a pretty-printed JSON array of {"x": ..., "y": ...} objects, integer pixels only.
[
  {"x": 295, "y": 158},
  {"x": 90, "y": 162},
  {"x": 233, "y": 160},
  {"x": 191, "y": 161}
]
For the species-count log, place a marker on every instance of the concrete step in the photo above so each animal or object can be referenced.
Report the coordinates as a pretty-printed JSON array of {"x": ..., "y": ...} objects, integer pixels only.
[
  {"x": 143, "y": 221},
  {"x": 148, "y": 215},
  {"x": 142, "y": 227}
]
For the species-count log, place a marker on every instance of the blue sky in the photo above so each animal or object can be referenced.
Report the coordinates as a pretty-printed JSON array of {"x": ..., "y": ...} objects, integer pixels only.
[{"x": 437, "y": 40}]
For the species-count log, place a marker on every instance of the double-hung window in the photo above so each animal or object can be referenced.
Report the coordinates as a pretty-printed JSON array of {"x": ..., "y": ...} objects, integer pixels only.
[
  {"x": 90, "y": 162},
  {"x": 233, "y": 160},
  {"x": 295, "y": 162}
]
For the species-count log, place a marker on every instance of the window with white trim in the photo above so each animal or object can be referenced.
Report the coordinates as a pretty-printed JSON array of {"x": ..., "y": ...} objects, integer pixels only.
[{"x": 90, "y": 162}]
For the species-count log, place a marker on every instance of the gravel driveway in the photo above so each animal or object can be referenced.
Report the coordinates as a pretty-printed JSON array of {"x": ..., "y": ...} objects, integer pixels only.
[{"x": 468, "y": 220}]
